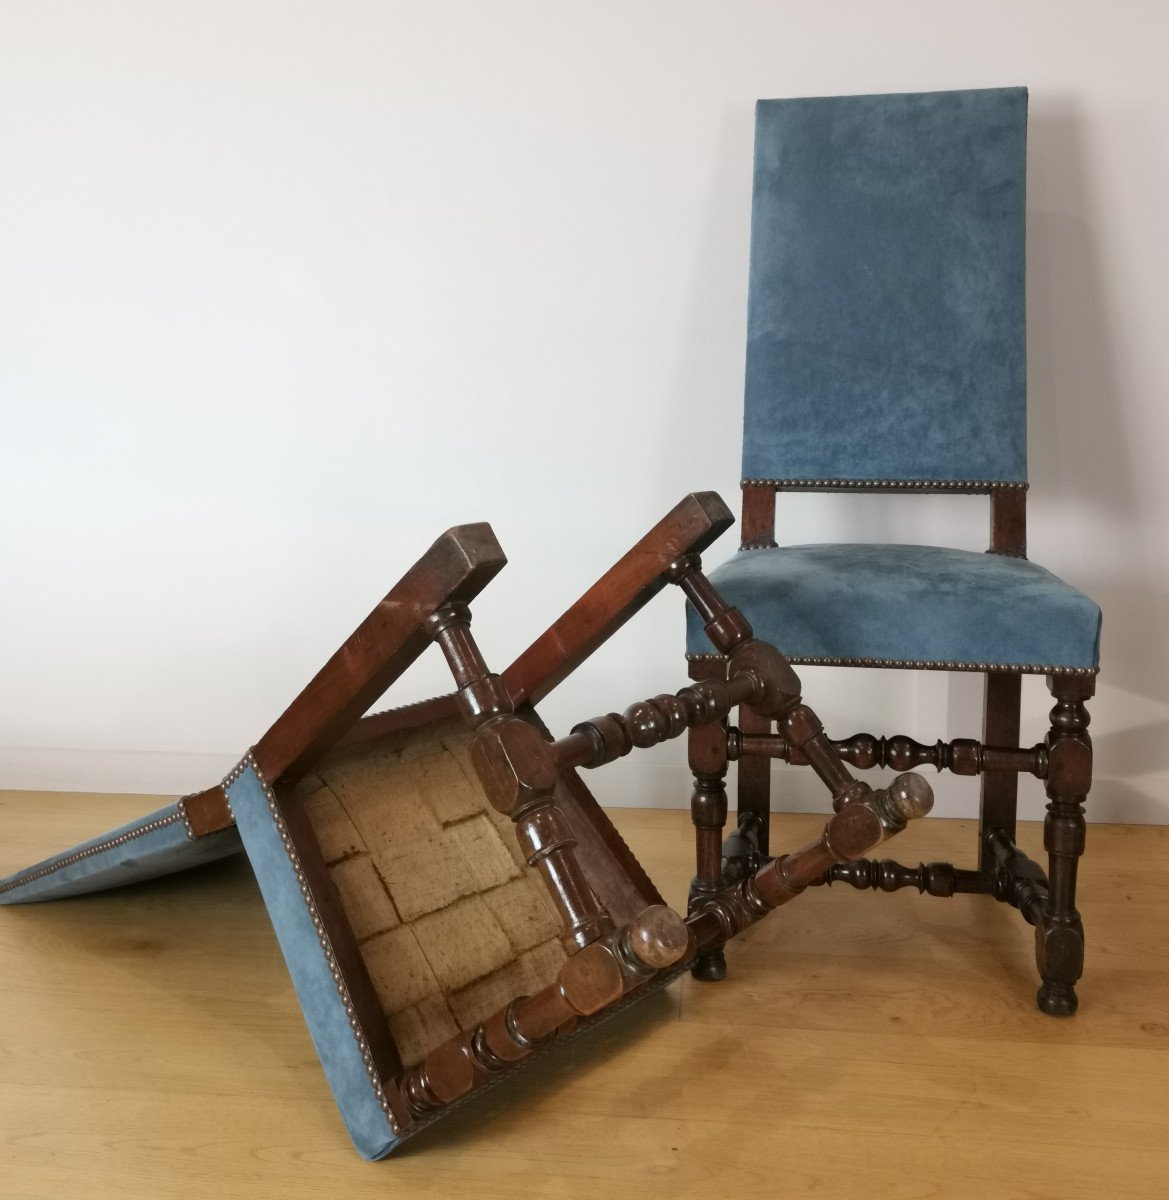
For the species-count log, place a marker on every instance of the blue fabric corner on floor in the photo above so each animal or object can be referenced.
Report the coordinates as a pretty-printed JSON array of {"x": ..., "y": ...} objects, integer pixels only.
[
  {"x": 154, "y": 845},
  {"x": 323, "y": 1008},
  {"x": 925, "y": 603}
]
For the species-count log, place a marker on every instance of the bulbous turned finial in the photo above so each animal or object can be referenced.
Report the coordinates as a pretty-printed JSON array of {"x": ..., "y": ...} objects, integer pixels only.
[
  {"x": 658, "y": 937},
  {"x": 908, "y": 797}
]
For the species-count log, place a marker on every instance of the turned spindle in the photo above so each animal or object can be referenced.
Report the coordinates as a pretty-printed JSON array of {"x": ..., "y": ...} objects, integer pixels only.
[
  {"x": 519, "y": 773},
  {"x": 1060, "y": 935},
  {"x": 591, "y": 980},
  {"x": 858, "y": 828}
]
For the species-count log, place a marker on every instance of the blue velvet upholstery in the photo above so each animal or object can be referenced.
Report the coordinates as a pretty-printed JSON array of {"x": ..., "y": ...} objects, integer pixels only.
[
  {"x": 324, "y": 1009},
  {"x": 886, "y": 343},
  {"x": 915, "y": 603},
  {"x": 886, "y": 301},
  {"x": 157, "y": 844}
]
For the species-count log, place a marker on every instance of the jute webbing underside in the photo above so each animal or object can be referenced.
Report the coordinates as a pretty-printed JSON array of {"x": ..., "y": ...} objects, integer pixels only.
[{"x": 451, "y": 922}]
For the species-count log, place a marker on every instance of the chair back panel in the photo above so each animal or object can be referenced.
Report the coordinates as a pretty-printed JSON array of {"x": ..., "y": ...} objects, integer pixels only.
[{"x": 886, "y": 336}]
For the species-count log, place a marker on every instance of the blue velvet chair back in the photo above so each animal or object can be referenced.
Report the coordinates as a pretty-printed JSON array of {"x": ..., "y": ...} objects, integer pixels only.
[{"x": 886, "y": 307}]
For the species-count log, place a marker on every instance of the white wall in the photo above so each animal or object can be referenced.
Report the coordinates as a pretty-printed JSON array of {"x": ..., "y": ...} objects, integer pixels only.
[{"x": 288, "y": 288}]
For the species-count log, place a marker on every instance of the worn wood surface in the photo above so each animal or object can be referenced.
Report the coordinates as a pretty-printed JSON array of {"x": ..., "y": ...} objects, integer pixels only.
[
  {"x": 867, "y": 1046},
  {"x": 456, "y": 568},
  {"x": 630, "y": 584}
]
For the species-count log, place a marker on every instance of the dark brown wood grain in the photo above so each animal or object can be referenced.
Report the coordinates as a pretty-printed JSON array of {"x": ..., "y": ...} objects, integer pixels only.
[
  {"x": 630, "y": 584},
  {"x": 898, "y": 752},
  {"x": 999, "y": 789},
  {"x": 1008, "y": 522},
  {"x": 864, "y": 822},
  {"x": 517, "y": 767},
  {"x": 402, "y": 720},
  {"x": 613, "y": 868},
  {"x": 207, "y": 811},
  {"x": 758, "y": 531},
  {"x": 456, "y": 568},
  {"x": 1060, "y": 940},
  {"x": 590, "y": 982},
  {"x": 753, "y": 787},
  {"x": 1017, "y": 880},
  {"x": 707, "y": 758}
]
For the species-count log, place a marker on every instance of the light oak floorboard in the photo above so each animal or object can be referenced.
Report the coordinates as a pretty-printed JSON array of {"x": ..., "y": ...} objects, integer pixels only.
[{"x": 862, "y": 1046}]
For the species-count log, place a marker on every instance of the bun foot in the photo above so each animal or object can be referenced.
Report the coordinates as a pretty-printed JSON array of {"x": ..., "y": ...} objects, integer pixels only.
[
  {"x": 1055, "y": 999},
  {"x": 710, "y": 966}
]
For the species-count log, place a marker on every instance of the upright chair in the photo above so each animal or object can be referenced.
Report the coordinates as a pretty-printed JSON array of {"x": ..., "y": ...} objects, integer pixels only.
[{"x": 886, "y": 353}]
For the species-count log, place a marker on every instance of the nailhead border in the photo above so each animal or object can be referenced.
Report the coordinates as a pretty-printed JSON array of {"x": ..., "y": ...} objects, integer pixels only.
[
  {"x": 382, "y": 712},
  {"x": 888, "y": 485},
  {"x": 248, "y": 763},
  {"x": 660, "y": 980},
  {"x": 101, "y": 847},
  {"x": 191, "y": 834},
  {"x": 919, "y": 664}
]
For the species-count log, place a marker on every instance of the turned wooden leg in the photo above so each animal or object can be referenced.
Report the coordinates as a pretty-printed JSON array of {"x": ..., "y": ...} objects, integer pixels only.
[
  {"x": 1059, "y": 936},
  {"x": 707, "y": 751},
  {"x": 591, "y": 980},
  {"x": 754, "y": 788},
  {"x": 859, "y": 826},
  {"x": 1000, "y": 789}
]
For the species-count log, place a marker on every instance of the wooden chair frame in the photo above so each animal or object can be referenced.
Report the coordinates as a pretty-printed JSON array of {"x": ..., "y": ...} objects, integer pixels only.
[
  {"x": 1063, "y": 761},
  {"x": 617, "y": 951},
  {"x": 383, "y": 904}
]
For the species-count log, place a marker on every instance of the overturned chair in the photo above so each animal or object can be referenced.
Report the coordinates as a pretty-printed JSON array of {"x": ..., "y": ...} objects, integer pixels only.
[{"x": 449, "y": 898}]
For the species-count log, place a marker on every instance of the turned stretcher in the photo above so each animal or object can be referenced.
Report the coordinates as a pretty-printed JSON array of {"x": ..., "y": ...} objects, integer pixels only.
[{"x": 450, "y": 899}]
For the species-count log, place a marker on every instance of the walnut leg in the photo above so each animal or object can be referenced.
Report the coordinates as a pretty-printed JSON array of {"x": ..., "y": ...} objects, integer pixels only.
[
  {"x": 596, "y": 978},
  {"x": 707, "y": 751},
  {"x": 860, "y": 825},
  {"x": 1000, "y": 789},
  {"x": 518, "y": 770},
  {"x": 708, "y": 811},
  {"x": 754, "y": 788},
  {"x": 1059, "y": 936}
]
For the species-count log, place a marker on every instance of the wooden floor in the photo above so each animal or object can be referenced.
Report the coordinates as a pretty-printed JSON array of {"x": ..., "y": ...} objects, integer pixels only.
[{"x": 861, "y": 1046}]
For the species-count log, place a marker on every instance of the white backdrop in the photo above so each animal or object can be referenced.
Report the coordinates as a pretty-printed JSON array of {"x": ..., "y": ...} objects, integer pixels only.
[{"x": 288, "y": 288}]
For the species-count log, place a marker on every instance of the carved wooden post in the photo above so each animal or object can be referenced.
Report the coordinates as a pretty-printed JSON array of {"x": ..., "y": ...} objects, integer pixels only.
[
  {"x": 593, "y": 979},
  {"x": 701, "y": 708},
  {"x": 1059, "y": 937},
  {"x": 860, "y": 826},
  {"x": 763, "y": 680},
  {"x": 1000, "y": 789},
  {"x": 707, "y": 754},
  {"x": 519, "y": 774},
  {"x": 727, "y": 628}
]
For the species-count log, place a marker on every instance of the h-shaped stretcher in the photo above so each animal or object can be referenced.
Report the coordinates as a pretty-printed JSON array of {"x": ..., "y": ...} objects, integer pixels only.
[{"x": 450, "y": 899}]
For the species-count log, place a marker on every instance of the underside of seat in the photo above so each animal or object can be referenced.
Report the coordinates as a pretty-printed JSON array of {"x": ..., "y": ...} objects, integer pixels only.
[{"x": 924, "y": 606}]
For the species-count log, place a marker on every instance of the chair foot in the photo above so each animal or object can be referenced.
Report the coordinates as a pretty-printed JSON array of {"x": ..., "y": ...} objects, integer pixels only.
[
  {"x": 710, "y": 966},
  {"x": 1057, "y": 999},
  {"x": 1059, "y": 932}
]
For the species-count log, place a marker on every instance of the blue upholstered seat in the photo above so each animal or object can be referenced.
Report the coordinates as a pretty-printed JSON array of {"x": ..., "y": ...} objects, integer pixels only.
[
  {"x": 908, "y": 605},
  {"x": 160, "y": 843}
]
